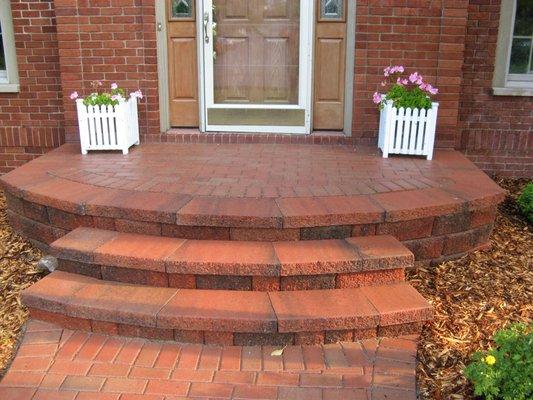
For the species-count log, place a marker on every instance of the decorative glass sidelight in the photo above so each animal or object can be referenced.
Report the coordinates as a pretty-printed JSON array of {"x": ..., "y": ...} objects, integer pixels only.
[
  {"x": 181, "y": 9},
  {"x": 332, "y": 9}
]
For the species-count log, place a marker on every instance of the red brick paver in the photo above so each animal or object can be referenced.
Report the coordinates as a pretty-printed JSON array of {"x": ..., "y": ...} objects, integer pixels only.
[
  {"x": 53, "y": 363},
  {"x": 240, "y": 170}
]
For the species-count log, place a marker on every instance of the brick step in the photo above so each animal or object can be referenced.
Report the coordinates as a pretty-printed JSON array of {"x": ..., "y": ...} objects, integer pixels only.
[
  {"x": 232, "y": 265},
  {"x": 227, "y": 317}
]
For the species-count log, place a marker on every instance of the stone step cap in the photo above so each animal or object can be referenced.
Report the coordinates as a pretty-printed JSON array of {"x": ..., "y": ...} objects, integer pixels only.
[
  {"x": 227, "y": 311},
  {"x": 250, "y": 258}
]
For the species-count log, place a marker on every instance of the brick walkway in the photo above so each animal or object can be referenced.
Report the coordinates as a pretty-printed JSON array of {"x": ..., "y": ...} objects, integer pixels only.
[{"x": 58, "y": 364}]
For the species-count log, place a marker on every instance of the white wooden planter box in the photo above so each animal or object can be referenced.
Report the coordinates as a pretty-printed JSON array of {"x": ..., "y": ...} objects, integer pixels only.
[
  {"x": 108, "y": 127},
  {"x": 407, "y": 130}
]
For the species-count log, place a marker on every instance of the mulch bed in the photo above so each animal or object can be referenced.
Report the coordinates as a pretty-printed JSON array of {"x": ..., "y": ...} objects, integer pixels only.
[
  {"x": 473, "y": 297},
  {"x": 18, "y": 270}
]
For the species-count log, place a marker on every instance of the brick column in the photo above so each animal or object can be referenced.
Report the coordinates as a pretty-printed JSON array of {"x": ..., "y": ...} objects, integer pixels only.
[
  {"x": 110, "y": 41},
  {"x": 31, "y": 120},
  {"x": 427, "y": 36},
  {"x": 497, "y": 131}
]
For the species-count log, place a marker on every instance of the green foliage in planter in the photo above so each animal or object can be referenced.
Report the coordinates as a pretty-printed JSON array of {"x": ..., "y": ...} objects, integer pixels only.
[
  {"x": 405, "y": 97},
  {"x": 105, "y": 99},
  {"x": 525, "y": 202},
  {"x": 506, "y": 371}
]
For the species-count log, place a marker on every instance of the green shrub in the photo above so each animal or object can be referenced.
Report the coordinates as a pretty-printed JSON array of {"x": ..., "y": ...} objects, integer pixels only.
[
  {"x": 506, "y": 371},
  {"x": 525, "y": 202}
]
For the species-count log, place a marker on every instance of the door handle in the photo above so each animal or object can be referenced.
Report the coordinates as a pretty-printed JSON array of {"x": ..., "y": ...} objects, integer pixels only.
[{"x": 206, "y": 23}]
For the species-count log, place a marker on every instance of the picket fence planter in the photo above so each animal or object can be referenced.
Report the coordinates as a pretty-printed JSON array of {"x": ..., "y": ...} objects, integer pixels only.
[
  {"x": 407, "y": 131},
  {"x": 108, "y": 127}
]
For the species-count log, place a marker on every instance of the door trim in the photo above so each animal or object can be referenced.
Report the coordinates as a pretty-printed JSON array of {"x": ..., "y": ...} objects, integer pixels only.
[
  {"x": 305, "y": 94},
  {"x": 162, "y": 64},
  {"x": 350, "y": 66}
]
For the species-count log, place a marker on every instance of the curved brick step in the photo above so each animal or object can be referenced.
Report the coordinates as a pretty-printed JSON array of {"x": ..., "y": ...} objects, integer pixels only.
[
  {"x": 227, "y": 317},
  {"x": 232, "y": 265}
]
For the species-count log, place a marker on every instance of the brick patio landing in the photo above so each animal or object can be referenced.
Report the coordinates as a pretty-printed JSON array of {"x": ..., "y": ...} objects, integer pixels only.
[
  {"x": 58, "y": 364},
  {"x": 257, "y": 192}
]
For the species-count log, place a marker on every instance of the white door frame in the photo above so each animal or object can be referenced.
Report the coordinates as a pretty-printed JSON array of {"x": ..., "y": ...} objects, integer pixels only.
[{"x": 206, "y": 66}]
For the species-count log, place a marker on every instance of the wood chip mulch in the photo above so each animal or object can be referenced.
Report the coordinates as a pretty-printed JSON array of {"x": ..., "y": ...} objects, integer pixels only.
[
  {"x": 473, "y": 297},
  {"x": 18, "y": 270}
]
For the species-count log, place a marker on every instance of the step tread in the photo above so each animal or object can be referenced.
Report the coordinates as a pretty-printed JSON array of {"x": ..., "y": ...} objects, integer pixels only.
[
  {"x": 210, "y": 257},
  {"x": 227, "y": 311}
]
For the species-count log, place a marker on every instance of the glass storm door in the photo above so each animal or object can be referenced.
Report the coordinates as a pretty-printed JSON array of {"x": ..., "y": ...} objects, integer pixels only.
[{"x": 257, "y": 65}]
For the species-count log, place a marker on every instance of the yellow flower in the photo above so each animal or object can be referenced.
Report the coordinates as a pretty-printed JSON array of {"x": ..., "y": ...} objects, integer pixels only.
[{"x": 490, "y": 360}]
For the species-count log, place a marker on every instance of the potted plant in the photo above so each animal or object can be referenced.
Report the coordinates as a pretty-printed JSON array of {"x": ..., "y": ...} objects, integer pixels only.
[
  {"x": 408, "y": 115},
  {"x": 107, "y": 119}
]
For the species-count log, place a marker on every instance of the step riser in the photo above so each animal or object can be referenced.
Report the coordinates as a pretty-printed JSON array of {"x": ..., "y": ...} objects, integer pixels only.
[
  {"x": 432, "y": 238},
  {"x": 227, "y": 338},
  {"x": 229, "y": 282}
]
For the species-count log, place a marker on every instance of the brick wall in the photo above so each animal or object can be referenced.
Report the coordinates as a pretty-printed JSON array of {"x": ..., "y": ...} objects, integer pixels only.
[
  {"x": 424, "y": 35},
  {"x": 31, "y": 120},
  {"x": 114, "y": 40},
  {"x": 497, "y": 132},
  {"x": 111, "y": 41}
]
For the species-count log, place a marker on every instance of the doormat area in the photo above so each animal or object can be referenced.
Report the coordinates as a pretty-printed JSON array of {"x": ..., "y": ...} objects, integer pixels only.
[{"x": 473, "y": 297}]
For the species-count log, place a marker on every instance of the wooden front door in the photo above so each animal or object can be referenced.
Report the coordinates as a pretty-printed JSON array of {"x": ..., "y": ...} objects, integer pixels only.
[
  {"x": 266, "y": 65},
  {"x": 257, "y": 71}
]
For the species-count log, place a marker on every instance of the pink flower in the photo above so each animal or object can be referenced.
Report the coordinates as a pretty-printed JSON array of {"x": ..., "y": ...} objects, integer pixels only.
[
  {"x": 384, "y": 83},
  {"x": 138, "y": 94},
  {"x": 415, "y": 77},
  {"x": 405, "y": 82},
  {"x": 116, "y": 97},
  {"x": 74, "y": 96},
  {"x": 399, "y": 81},
  {"x": 423, "y": 86},
  {"x": 431, "y": 90},
  {"x": 99, "y": 83},
  {"x": 114, "y": 86},
  {"x": 397, "y": 69},
  {"x": 377, "y": 98}
]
